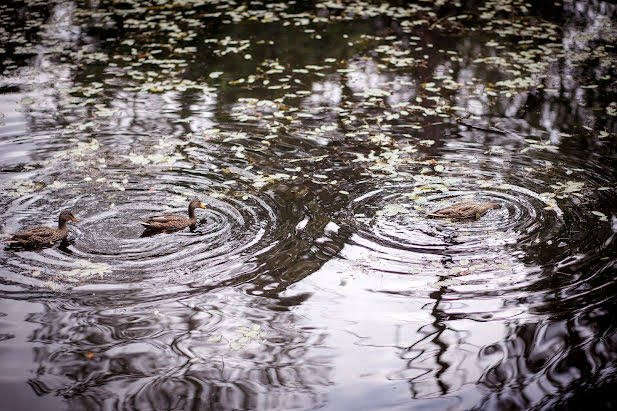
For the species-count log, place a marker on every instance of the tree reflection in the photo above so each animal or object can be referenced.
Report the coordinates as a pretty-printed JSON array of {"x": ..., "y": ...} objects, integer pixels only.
[
  {"x": 290, "y": 139},
  {"x": 542, "y": 360},
  {"x": 131, "y": 356}
]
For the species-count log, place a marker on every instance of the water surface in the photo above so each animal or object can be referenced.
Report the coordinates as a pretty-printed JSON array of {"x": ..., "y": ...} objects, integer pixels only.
[{"x": 319, "y": 135}]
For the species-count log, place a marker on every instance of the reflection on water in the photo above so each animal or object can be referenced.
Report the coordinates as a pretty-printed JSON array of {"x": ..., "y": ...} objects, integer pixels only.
[
  {"x": 318, "y": 135},
  {"x": 211, "y": 353}
]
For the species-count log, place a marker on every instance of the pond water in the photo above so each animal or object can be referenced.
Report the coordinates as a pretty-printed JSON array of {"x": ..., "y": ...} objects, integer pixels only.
[{"x": 318, "y": 135}]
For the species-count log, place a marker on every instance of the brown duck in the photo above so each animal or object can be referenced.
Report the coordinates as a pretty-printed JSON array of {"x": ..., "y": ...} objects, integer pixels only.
[
  {"x": 467, "y": 209},
  {"x": 42, "y": 234},
  {"x": 173, "y": 221}
]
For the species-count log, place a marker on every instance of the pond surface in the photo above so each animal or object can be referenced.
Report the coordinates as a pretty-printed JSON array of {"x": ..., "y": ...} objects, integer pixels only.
[{"x": 318, "y": 135}]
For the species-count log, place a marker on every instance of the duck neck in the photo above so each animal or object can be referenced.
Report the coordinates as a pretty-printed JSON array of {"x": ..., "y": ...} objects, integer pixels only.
[
  {"x": 61, "y": 224},
  {"x": 191, "y": 211}
]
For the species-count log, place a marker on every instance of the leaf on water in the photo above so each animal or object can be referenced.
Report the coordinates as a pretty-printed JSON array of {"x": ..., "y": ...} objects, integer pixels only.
[
  {"x": 57, "y": 184},
  {"x": 105, "y": 112},
  {"x": 261, "y": 181},
  {"x": 21, "y": 187},
  {"x": 216, "y": 74},
  {"x": 601, "y": 215},
  {"x": 88, "y": 269},
  {"x": 249, "y": 333},
  {"x": 236, "y": 135},
  {"x": 26, "y": 101},
  {"x": 137, "y": 159},
  {"x": 215, "y": 338},
  {"x": 573, "y": 186},
  {"x": 157, "y": 158},
  {"x": 51, "y": 285},
  {"x": 235, "y": 346},
  {"x": 373, "y": 92},
  {"x": 390, "y": 210}
]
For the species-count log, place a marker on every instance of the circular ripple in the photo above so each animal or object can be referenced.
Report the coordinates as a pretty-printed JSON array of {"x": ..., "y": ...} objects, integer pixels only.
[
  {"x": 391, "y": 234},
  {"x": 109, "y": 239},
  {"x": 226, "y": 229},
  {"x": 395, "y": 217}
]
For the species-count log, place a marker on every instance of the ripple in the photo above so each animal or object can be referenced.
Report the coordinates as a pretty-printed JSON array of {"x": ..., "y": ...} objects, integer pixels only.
[
  {"x": 230, "y": 231},
  {"x": 395, "y": 217},
  {"x": 225, "y": 230},
  {"x": 388, "y": 234}
]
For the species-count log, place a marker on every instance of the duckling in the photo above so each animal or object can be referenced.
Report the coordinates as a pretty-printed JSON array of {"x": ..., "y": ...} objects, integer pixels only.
[
  {"x": 173, "y": 221},
  {"x": 467, "y": 209},
  {"x": 42, "y": 234}
]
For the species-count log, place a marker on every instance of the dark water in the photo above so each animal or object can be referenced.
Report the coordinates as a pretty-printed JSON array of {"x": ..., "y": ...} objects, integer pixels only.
[{"x": 318, "y": 134}]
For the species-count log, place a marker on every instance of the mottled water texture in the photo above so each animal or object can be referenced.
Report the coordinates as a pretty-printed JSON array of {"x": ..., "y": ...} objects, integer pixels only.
[{"x": 319, "y": 135}]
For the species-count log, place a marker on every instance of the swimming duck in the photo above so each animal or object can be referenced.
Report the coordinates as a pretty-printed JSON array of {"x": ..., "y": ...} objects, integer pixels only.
[
  {"x": 42, "y": 234},
  {"x": 173, "y": 221},
  {"x": 467, "y": 209}
]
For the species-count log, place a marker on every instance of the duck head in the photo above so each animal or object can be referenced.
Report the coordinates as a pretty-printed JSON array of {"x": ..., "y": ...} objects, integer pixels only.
[
  {"x": 196, "y": 203},
  {"x": 66, "y": 216}
]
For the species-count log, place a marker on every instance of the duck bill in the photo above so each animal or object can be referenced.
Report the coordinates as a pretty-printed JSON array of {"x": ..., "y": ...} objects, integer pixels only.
[
  {"x": 74, "y": 219},
  {"x": 202, "y": 206}
]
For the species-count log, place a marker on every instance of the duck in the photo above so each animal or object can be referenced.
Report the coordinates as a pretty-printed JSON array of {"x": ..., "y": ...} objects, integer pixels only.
[
  {"x": 462, "y": 210},
  {"x": 43, "y": 234},
  {"x": 173, "y": 221}
]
